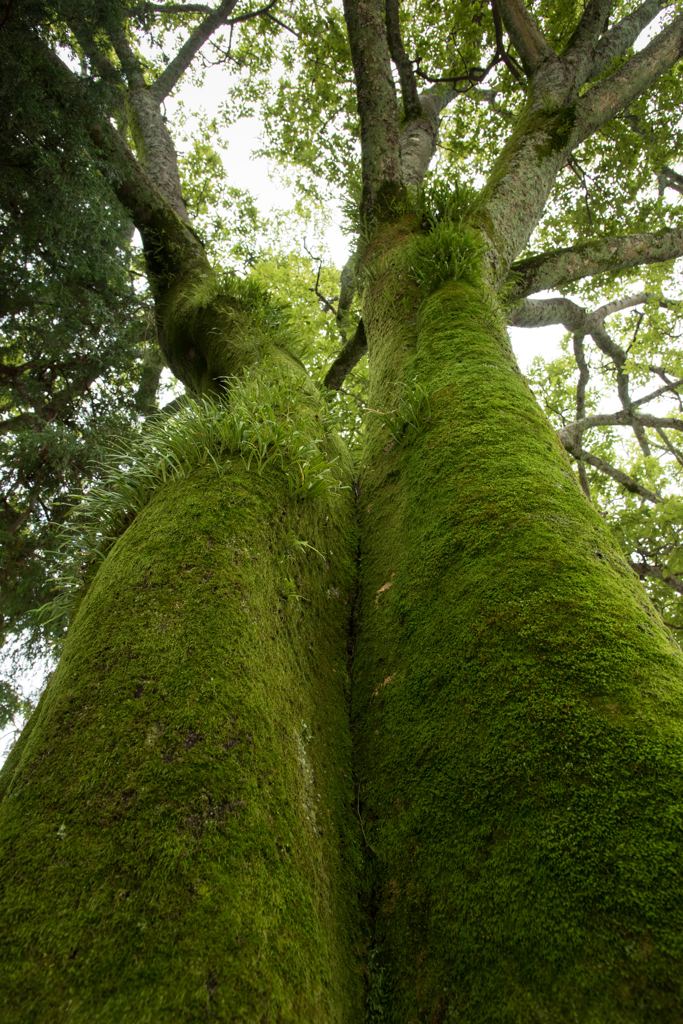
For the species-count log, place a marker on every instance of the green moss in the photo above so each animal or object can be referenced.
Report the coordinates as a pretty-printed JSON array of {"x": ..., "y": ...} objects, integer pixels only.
[
  {"x": 177, "y": 836},
  {"x": 518, "y": 706},
  {"x": 270, "y": 415},
  {"x": 558, "y": 131},
  {"x": 448, "y": 252},
  {"x": 216, "y": 327}
]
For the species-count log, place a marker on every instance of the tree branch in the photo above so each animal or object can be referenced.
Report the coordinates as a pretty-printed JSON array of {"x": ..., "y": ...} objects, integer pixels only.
[
  {"x": 559, "y": 267},
  {"x": 404, "y": 66},
  {"x": 534, "y": 312},
  {"x": 673, "y": 385},
  {"x": 644, "y": 569},
  {"x": 668, "y": 178},
  {"x": 631, "y": 80},
  {"x": 130, "y": 64},
  {"x": 527, "y": 38},
  {"x": 591, "y": 26},
  {"x": 177, "y": 8},
  {"x": 419, "y": 137},
  {"x": 616, "y": 474},
  {"x": 623, "y": 35},
  {"x": 261, "y": 12},
  {"x": 620, "y": 418},
  {"x": 376, "y": 96},
  {"x": 510, "y": 64},
  {"x": 352, "y": 352},
  {"x": 546, "y": 313},
  {"x": 169, "y": 78},
  {"x": 584, "y": 375}
]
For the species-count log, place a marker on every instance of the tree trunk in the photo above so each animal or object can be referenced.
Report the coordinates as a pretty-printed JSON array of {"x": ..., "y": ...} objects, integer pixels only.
[
  {"x": 517, "y": 701},
  {"x": 178, "y": 831},
  {"x": 178, "y": 835}
]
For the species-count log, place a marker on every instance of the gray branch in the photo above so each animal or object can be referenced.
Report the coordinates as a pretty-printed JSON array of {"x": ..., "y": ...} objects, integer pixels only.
[
  {"x": 616, "y": 474},
  {"x": 620, "y": 418},
  {"x": 559, "y": 267},
  {"x": 543, "y": 312},
  {"x": 419, "y": 137},
  {"x": 628, "y": 82},
  {"x": 169, "y": 78},
  {"x": 644, "y": 569},
  {"x": 623, "y": 35}
]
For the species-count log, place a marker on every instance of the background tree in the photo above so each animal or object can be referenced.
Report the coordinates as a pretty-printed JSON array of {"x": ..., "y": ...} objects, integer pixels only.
[{"x": 186, "y": 830}]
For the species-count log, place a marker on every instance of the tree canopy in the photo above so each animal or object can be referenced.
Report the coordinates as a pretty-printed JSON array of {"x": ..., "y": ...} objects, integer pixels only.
[{"x": 80, "y": 354}]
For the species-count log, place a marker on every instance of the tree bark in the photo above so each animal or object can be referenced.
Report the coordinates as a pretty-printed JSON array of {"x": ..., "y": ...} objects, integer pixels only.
[
  {"x": 516, "y": 698},
  {"x": 178, "y": 839}
]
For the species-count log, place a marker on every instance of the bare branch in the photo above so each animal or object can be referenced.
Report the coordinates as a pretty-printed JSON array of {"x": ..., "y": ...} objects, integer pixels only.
[
  {"x": 616, "y": 474},
  {"x": 532, "y": 312},
  {"x": 353, "y": 351},
  {"x": 404, "y": 66},
  {"x": 631, "y": 80},
  {"x": 620, "y": 418},
  {"x": 327, "y": 304},
  {"x": 669, "y": 447},
  {"x": 644, "y": 569},
  {"x": 559, "y": 267},
  {"x": 282, "y": 24},
  {"x": 527, "y": 38},
  {"x": 623, "y": 35},
  {"x": 171, "y": 75}
]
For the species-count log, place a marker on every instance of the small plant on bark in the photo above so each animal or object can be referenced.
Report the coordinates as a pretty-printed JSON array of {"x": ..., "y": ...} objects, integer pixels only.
[{"x": 265, "y": 419}]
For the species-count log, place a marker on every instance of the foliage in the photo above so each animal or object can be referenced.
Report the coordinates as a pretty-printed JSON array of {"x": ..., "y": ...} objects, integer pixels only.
[
  {"x": 260, "y": 422},
  {"x": 447, "y": 253},
  {"x": 649, "y": 534},
  {"x": 225, "y": 217},
  {"x": 76, "y": 339}
]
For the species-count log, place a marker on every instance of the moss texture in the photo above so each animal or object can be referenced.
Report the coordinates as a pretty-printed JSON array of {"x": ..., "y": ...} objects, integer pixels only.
[
  {"x": 517, "y": 702},
  {"x": 213, "y": 328},
  {"x": 178, "y": 841}
]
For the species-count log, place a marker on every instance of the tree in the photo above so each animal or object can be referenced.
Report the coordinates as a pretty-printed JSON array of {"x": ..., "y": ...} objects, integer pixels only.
[{"x": 203, "y": 818}]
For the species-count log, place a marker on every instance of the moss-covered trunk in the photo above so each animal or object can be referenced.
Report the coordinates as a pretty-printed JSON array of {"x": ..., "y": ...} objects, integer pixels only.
[
  {"x": 517, "y": 702},
  {"x": 178, "y": 840}
]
